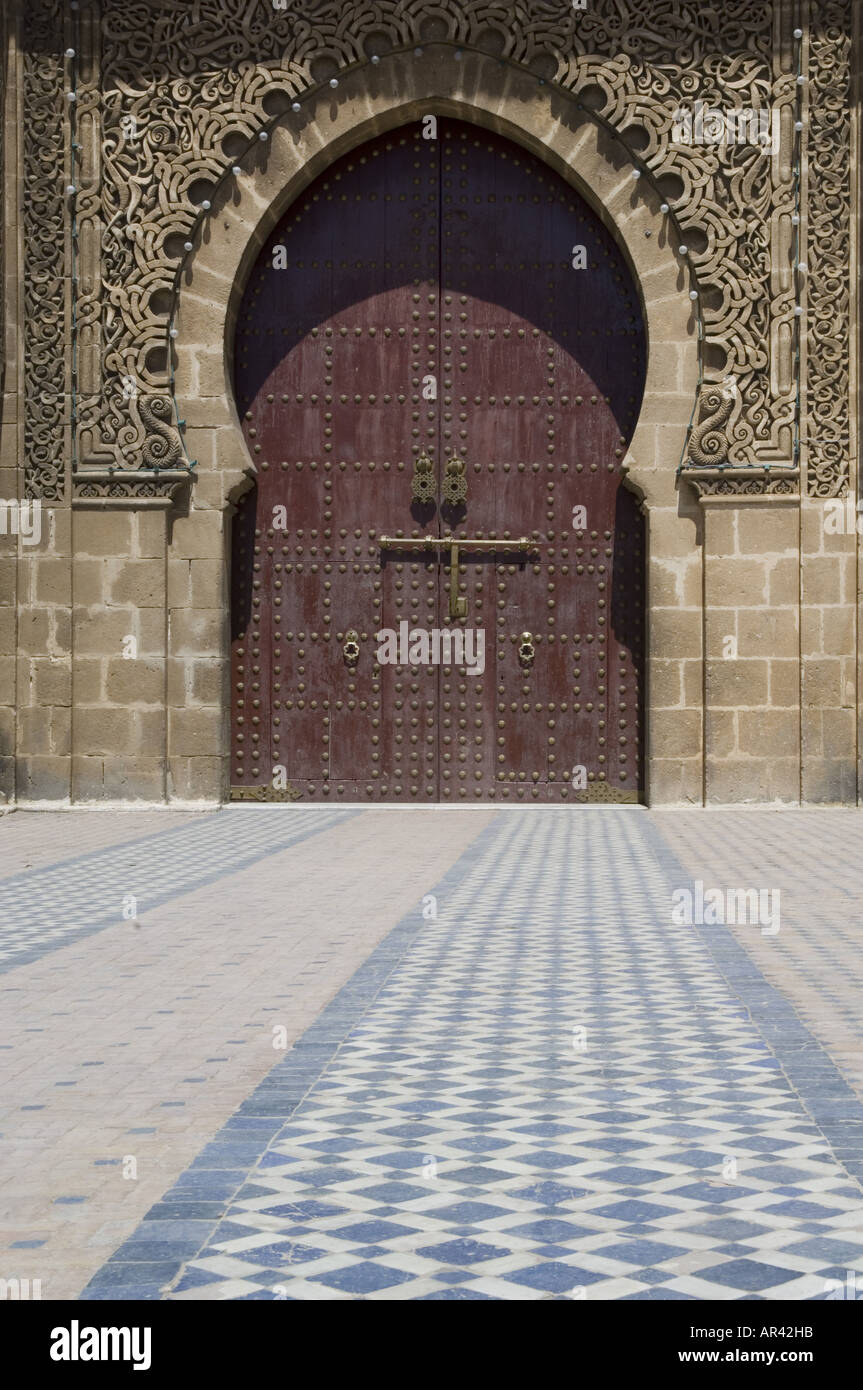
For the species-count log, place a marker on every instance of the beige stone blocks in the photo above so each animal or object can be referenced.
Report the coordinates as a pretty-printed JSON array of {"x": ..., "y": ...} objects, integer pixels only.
[
  {"x": 43, "y": 627},
  {"x": 210, "y": 373},
  {"x": 197, "y": 694},
  {"x": 823, "y": 682},
  {"x": 763, "y": 632},
  {"x": 45, "y": 730},
  {"x": 207, "y": 583},
  {"x": 675, "y": 646},
  {"x": 837, "y": 727},
  {"x": 50, "y": 581},
  {"x": 51, "y": 681},
  {"x": 822, "y": 579},
  {"x": 666, "y": 683},
  {"x": 720, "y": 733},
  {"x": 8, "y": 630},
  {"x": 149, "y": 534},
  {"x": 103, "y": 631},
  {"x": 103, "y": 532},
  {"x": 784, "y": 586},
  {"x": 734, "y": 684},
  {"x": 119, "y": 534},
  {"x": 43, "y": 678},
  {"x": 8, "y": 570},
  {"x": 41, "y": 778},
  {"x": 136, "y": 583},
  {"x": 735, "y": 581},
  {"x": 197, "y": 632},
  {"x": 212, "y": 489},
  {"x": 668, "y": 362},
  {"x": 197, "y": 779},
  {"x": 196, "y": 681},
  {"x": 197, "y": 732},
  {"x": 95, "y": 778},
  {"x": 675, "y": 733},
  {"x": 118, "y": 673},
  {"x": 667, "y": 408},
  {"x": 88, "y": 679},
  {"x": 768, "y": 733},
  {"x": 753, "y": 780},
  {"x": 7, "y": 684},
  {"x": 89, "y": 582},
  {"x": 768, "y": 529},
  {"x": 784, "y": 683},
  {"x": 829, "y": 629},
  {"x": 676, "y": 583},
  {"x": 676, "y": 632},
  {"x": 675, "y": 782},
  {"x": 198, "y": 536},
  {"x": 199, "y": 319},
  {"x": 131, "y": 683},
  {"x": 752, "y": 632},
  {"x": 119, "y": 730},
  {"x": 206, "y": 414}
]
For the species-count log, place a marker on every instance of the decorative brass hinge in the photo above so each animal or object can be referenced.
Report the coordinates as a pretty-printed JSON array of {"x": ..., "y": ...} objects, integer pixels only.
[
  {"x": 423, "y": 481},
  {"x": 455, "y": 482},
  {"x": 268, "y": 793},
  {"x": 602, "y": 791}
]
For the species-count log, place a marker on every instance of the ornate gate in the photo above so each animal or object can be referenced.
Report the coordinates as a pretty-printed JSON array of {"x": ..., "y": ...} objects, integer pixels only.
[{"x": 437, "y": 579}]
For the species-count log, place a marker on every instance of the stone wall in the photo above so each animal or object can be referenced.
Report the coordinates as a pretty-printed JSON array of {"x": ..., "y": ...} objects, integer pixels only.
[
  {"x": 9, "y": 472},
  {"x": 117, "y": 412}
]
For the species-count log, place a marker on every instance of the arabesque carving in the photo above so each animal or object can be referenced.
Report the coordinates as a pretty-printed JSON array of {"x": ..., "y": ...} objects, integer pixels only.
[
  {"x": 45, "y": 313},
  {"x": 4, "y": 60},
  {"x": 176, "y": 92},
  {"x": 829, "y": 280}
]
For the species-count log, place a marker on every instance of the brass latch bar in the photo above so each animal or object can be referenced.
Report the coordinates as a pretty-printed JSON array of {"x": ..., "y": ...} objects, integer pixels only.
[
  {"x": 443, "y": 542},
  {"x": 457, "y": 606}
]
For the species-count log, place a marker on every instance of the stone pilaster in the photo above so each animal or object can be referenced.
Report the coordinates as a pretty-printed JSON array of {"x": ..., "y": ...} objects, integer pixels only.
[
  {"x": 119, "y": 622},
  {"x": 752, "y": 645}
]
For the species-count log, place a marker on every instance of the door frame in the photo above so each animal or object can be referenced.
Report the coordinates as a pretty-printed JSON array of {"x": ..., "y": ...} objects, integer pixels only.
[{"x": 587, "y": 153}]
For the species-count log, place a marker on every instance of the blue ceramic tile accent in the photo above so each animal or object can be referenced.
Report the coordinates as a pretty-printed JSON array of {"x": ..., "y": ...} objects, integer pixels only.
[{"x": 534, "y": 1096}]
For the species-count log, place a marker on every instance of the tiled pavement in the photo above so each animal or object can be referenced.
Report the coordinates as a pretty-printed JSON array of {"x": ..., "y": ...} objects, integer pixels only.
[
  {"x": 103, "y": 887},
  {"x": 545, "y": 1090},
  {"x": 139, "y": 1040},
  {"x": 816, "y": 960}
]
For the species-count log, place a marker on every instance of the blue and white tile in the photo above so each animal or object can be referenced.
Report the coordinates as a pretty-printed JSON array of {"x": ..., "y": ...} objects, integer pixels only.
[
  {"x": 77, "y": 896},
  {"x": 460, "y": 1142}
]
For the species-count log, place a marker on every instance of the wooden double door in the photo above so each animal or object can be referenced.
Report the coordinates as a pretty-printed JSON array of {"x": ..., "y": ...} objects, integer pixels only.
[{"x": 439, "y": 343}]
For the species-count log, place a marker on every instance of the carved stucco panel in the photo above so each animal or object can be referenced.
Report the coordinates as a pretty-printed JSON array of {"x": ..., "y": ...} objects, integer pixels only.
[
  {"x": 178, "y": 92},
  {"x": 46, "y": 226},
  {"x": 4, "y": 210},
  {"x": 829, "y": 254}
]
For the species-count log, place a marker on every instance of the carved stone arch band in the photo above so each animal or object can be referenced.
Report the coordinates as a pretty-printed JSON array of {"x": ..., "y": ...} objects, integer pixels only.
[{"x": 401, "y": 91}]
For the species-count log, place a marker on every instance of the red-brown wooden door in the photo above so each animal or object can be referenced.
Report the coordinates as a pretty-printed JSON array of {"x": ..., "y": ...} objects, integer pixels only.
[{"x": 426, "y": 303}]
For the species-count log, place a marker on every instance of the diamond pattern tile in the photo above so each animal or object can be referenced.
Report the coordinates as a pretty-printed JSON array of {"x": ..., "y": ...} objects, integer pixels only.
[{"x": 542, "y": 1100}]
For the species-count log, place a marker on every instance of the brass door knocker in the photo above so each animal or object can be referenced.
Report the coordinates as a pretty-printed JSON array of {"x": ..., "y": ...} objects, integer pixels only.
[
  {"x": 526, "y": 649},
  {"x": 351, "y": 647},
  {"x": 423, "y": 481},
  {"x": 455, "y": 482}
]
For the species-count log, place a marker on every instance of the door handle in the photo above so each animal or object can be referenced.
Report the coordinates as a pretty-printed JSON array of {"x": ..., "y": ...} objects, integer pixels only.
[
  {"x": 455, "y": 481},
  {"x": 526, "y": 649},
  {"x": 422, "y": 482}
]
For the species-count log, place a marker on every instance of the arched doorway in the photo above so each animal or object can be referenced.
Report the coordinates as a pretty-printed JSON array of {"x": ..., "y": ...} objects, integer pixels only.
[{"x": 449, "y": 345}]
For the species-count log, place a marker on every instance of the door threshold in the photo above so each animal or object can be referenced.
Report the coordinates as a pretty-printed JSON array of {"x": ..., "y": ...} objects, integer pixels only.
[{"x": 438, "y": 806}]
